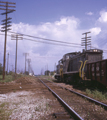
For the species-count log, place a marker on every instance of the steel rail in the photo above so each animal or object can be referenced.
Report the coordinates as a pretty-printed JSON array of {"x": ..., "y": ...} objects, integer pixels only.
[
  {"x": 88, "y": 98},
  {"x": 68, "y": 108}
]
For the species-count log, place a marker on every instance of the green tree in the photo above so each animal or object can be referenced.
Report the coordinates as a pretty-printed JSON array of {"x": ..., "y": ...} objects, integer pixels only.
[{"x": 1, "y": 68}]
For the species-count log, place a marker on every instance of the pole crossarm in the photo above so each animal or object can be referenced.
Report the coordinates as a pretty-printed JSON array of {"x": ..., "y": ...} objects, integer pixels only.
[
  {"x": 6, "y": 19},
  {"x": 5, "y": 30},
  {"x": 7, "y": 2},
  {"x": 86, "y": 40},
  {"x": 7, "y": 6},
  {"x": 6, "y": 26},
  {"x": 6, "y": 23}
]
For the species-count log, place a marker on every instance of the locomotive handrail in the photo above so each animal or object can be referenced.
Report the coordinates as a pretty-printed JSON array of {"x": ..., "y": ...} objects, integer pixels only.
[
  {"x": 80, "y": 68},
  {"x": 83, "y": 69}
]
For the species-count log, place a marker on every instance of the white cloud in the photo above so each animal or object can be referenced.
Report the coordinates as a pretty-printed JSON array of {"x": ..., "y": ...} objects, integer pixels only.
[
  {"x": 89, "y": 13},
  {"x": 103, "y": 17},
  {"x": 95, "y": 31},
  {"x": 66, "y": 29}
]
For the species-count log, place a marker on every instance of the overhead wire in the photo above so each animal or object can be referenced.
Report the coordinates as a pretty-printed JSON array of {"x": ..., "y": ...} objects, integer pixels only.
[
  {"x": 47, "y": 42},
  {"x": 46, "y": 39},
  {"x": 51, "y": 41}
]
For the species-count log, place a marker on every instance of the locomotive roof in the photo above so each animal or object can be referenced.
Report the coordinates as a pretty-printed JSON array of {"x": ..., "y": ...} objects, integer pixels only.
[
  {"x": 90, "y": 50},
  {"x": 73, "y": 53},
  {"x": 94, "y": 50}
]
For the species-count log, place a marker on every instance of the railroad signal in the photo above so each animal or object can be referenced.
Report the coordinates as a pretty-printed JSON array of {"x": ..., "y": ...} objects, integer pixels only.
[
  {"x": 6, "y": 25},
  {"x": 86, "y": 40}
]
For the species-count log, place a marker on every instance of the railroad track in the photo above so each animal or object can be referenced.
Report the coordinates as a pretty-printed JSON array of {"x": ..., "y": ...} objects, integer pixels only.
[
  {"x": 84, "y": 96},
  {"x": 73, "y": 114},
  {"x": 77, "y": 106}
]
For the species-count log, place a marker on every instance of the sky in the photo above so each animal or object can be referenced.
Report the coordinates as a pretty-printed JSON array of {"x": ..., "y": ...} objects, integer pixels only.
[{"x": 60, "y": 20}]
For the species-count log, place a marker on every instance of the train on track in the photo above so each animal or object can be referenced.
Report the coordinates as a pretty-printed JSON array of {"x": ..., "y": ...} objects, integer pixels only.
[{"x": 85, "y": 65}]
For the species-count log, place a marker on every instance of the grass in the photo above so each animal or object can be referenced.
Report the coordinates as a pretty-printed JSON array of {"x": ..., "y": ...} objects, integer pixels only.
[
  {"x": 4, "y": 114},
  {"x": 9, "y": 78},
  {"x": 46, "y": 77},
  {"x": 41, "y": 107},
  {"x": 96, "y": 94}
]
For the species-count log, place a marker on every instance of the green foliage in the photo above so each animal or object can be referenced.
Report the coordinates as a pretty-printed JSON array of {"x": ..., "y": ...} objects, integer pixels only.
[
  {"x": 96, "y": 94},
  {"x": 10, "y": 72},
  {"x": 9, "y": 78},
  {"x": 88, "y": 91},
  {"x": 99, "y": 95},
  {"x": 4, "y": 114}
]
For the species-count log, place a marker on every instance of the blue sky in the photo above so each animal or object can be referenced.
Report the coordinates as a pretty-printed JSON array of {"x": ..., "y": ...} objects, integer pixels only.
[{"x": 63, "y": 20}]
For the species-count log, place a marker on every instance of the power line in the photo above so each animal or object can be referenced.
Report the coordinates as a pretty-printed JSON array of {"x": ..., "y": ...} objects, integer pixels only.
[
  {"x": 46, "y": 39},
  {"x": 51, "y": 43},
  {"x": 48, "y": 42}
]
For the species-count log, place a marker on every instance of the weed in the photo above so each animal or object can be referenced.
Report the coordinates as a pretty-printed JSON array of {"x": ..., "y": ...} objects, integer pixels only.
[
  {"x": 2, "y": 105},
  {"x": 99, "y": 95},
  {"x": 96, "y": 94},
  {"x": 4, "y": 114},
  {"x": 88, "y": 91},
  {"x": 88, "y": 116},
  {"x": 9, "y": 78},
  {"x": 47, "y": 106},
  {"x": 14, "y": 90},
  {"x": 37, "y": 108}
]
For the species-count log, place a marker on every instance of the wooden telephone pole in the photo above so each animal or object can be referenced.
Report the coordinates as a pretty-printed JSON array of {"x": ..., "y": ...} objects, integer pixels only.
[
  {"x": 7, "y": 63},
  {"x": 29, "y": 60},
  {"x": 6, "y": 26},
  {"x": 16, "y": 37},
  {"x": 25, "y": 60}
]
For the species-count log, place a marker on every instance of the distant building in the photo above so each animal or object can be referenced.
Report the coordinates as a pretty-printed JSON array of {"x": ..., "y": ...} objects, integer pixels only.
[{"x": 47, "y": 72}]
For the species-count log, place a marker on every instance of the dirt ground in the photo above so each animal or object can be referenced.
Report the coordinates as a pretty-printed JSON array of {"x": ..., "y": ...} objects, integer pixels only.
[{"x": 23, "y": 99}]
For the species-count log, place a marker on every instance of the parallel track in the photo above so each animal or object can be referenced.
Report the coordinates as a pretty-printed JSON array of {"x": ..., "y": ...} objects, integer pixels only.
[
  {"x": 78, "y": 105},
  {"x": 84, "y": 96}
]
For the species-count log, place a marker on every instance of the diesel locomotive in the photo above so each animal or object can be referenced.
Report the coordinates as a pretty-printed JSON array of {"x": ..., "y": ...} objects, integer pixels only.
[{"x": 77, "y": 66}]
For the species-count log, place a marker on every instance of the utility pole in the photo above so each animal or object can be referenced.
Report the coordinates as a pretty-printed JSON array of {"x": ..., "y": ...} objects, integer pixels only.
[
  {"x": 86, "y": 40},
  {"x": 29, "y": 60},
  {"x": 25, "y": 60},
  {"x": 55, "y": 68},
  {"x": 6, "y": 27},
  {"x": 16, "y": 37},
  {"x": 7, "y": 62},
  {"x": 12, "y": 68},
  {"x": 47, "y": 69}
]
